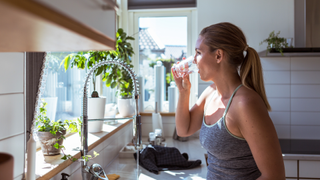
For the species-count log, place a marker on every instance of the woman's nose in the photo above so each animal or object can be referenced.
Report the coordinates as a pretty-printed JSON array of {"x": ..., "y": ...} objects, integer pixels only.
[{"x": 195, "y": 59}]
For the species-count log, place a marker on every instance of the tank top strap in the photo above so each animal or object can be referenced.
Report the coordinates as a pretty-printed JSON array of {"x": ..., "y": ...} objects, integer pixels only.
[{"x": 234, "y": 92}]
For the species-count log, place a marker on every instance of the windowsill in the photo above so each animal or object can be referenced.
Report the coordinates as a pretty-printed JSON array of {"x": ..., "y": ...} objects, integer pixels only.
[
  {"x": 149, "y": 113},
  {"x": 48, "y": 166}
]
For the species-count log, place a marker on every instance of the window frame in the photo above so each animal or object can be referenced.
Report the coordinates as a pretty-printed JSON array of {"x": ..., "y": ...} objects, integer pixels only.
[{"x": 190, "y": 13}]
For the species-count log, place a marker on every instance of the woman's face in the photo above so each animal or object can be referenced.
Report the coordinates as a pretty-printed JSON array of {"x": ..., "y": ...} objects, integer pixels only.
[{"x": 205, "y": 60}]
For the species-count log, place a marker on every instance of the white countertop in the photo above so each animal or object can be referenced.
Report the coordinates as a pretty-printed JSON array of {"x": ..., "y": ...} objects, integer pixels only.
[{"x": 127, "y": 168}]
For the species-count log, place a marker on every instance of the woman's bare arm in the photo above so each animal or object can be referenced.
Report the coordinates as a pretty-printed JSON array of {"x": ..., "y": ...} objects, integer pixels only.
[
  {"x": 188, "y": 121},
  {"x": 257, "y": 128}
]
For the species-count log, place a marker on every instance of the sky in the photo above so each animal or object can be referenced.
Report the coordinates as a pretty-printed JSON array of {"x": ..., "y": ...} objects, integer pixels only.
[{"x": 167, "y": 30}]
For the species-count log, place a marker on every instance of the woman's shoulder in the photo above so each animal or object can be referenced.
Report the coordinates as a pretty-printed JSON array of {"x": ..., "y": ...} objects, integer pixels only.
[
  {"x": 248, "y": 106},
  {"x": 246, "y": 97}
]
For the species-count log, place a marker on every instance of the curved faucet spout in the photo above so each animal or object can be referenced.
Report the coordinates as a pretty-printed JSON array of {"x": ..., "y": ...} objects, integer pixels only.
[{"x": 84, "y": 128}]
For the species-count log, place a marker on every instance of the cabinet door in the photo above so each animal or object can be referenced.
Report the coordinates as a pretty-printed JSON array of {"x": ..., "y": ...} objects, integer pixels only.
[
  {"x": 88, "y": 12},
  {"x": 290, "y": 168},
  {"x": 309, "y": 169}
]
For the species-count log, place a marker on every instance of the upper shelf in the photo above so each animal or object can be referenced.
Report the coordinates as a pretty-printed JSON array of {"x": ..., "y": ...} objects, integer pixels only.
[{"x": 31, "y": 26}]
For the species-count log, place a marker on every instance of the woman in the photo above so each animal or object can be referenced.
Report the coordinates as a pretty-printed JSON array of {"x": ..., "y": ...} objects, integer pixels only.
[{"x": 232, "y": 113}]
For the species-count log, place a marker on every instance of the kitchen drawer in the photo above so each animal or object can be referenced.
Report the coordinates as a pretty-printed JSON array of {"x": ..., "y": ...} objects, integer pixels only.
[{"x": 309, "y": 169}]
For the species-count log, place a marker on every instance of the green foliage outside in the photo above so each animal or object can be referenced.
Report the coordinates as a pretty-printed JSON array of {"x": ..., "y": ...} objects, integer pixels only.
[
  {"x": 276, "y": 42},
  {"x": 113, "y": 75}
]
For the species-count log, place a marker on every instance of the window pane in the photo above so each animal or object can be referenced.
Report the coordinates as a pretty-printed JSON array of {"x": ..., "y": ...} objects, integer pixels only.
[
  {"x": 160, "y": 39},
  {"x": 63, "y": 89}
]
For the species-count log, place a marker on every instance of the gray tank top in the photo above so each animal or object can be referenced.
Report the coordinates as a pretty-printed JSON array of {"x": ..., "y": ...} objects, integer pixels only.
[{"x": 229, "y": 156}]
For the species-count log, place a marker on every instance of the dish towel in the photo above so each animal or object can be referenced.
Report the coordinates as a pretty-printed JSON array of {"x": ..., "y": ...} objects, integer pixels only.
[
  {"x": 158, "y": 158},
  {"x": 112, "y": 176}
]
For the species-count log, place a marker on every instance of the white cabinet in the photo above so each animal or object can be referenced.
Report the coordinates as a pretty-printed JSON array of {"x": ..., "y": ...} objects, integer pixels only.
[
  {"x": 88, "y": 12},
  {"x": 59, "y": 25},
  {"x": 291, "y": 168},
  {"x": 309, "y": 169}
]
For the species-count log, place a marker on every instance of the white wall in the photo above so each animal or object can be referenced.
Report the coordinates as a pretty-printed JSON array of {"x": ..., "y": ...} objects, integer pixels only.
[
  {"x": 12, "y": 108},
  {"x": 256, "y": 19},
  {"x": 293, "y": 90}
]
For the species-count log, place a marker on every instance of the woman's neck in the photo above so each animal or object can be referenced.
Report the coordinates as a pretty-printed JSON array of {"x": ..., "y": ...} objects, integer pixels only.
[{"x": 226, "y": 84}]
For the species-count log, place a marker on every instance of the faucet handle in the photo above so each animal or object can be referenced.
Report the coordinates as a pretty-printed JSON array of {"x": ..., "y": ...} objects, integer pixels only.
[{"x": 98, "y": 171}]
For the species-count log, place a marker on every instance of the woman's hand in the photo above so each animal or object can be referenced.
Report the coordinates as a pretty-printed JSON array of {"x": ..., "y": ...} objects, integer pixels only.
[{"x": 182, "y": 80}]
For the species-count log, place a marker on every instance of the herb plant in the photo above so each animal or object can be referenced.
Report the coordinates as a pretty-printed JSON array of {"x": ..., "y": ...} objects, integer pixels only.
[
  {"x": 276, "y": 42},
  {"x": 44, "y": 124}
]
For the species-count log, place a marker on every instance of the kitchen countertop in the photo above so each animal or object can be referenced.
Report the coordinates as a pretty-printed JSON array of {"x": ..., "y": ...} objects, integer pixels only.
[
  {"x": 300, "y": 149},
  {"x": 292, "y": 149},
  {"x": 126, "y": 167}
]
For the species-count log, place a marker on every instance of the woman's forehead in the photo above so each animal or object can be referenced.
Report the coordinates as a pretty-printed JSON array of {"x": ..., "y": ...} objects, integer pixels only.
[{"x": 200, "y": 45}]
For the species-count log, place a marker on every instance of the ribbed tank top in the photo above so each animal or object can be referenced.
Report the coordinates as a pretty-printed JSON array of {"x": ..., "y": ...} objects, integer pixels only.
[{"x": 229, "y": 156}]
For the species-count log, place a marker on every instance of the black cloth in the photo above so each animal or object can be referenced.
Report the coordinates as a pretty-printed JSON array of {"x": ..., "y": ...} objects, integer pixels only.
[{"x": 158, "y": 158}]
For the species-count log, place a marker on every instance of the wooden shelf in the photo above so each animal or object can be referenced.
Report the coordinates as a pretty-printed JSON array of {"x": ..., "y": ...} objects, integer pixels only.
[{"x": 26, "y": 25}]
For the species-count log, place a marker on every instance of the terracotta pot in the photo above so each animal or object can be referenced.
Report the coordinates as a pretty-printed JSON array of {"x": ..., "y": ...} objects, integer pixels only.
[
  {"x": 47, "y": 142},
  {"x": 6, "y": 166}
]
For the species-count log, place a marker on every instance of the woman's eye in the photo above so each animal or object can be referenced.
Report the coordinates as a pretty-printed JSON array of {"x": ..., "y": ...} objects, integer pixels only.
[{"x": 198, "y": 52}]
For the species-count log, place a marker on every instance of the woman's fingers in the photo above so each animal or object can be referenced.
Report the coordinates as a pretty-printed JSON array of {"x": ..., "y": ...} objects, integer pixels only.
[{"x": 174, "y": 72}]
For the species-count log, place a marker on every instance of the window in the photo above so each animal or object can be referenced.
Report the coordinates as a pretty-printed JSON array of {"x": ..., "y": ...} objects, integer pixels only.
[
  {"x": 63, "y": 89},
  {"x": 167, "y": 36}
]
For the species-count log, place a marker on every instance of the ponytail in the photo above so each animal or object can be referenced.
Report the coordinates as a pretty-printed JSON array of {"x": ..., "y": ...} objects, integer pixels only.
[{"x": 251, "y": 75}]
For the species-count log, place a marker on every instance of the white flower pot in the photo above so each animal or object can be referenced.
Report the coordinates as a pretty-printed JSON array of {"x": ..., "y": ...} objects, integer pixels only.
[
  {"x": 126, "y": 107},
  {"x": 96, "y": 107}
]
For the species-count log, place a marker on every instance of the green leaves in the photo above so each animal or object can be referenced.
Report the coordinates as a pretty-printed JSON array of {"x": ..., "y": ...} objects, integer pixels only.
[
  {"x": 95, "y": 154},
  {"x": 111, "y": 74},
  {"x": 113, "y": 84},
  {"x": 57, "y": 146},
  {"x": 66, "y": 61},
  {"x": 276, "y": 42}
]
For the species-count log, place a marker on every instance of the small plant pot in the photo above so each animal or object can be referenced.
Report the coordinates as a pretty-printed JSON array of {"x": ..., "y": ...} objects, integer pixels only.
[
  {"x": 47, "y": 142},
  {"x": 126, "y": 107},
  {"x": 96, "y": 110}
]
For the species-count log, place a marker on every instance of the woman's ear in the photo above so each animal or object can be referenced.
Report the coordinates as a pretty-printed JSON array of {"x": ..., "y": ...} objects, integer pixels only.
[{"x": 219, "y": 55}]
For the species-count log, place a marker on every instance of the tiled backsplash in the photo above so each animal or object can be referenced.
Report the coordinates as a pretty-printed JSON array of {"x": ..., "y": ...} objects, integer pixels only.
[
  {"x": 293, "y": 90},
  {"x": 12, "y": 108}
]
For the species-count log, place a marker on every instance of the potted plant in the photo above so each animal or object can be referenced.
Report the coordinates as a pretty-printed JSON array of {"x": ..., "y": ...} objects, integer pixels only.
[
  {"x": 113, "y": 75},
  {"x": 51, "y": 133},
  {"x": 275, "y": 42},
  {"x": 119, "y": 77},
  {"x": 96, "y": 104}
]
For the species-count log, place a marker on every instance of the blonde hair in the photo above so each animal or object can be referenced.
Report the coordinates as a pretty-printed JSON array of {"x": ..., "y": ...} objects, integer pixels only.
[{"x": 232, "y": 41}]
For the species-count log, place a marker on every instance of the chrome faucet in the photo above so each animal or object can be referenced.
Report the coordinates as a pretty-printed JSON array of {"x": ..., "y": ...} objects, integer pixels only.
[{"x": 94, "y": 171}]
